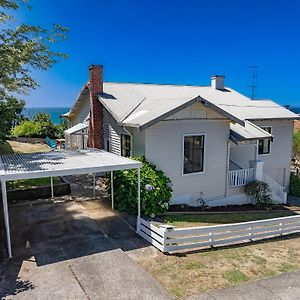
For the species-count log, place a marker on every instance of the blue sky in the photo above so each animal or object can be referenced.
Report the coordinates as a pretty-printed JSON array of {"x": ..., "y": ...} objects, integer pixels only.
[{"x": 180, "y": 42}]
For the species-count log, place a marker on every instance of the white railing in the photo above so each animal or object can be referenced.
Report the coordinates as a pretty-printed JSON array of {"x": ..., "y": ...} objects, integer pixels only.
[
  {"x": 170, "y": 239},
  {"x": 277, "y": 190},
  {"x": 240, "y": 177}
]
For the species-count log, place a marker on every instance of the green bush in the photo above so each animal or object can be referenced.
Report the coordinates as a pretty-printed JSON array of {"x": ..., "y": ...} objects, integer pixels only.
[
  {"x": 40, "y": 126},
  {"x": 27, "y": 129},
  {"x": 296, "y": 143},
  {"x": 156, "y": 189},
  {"x": 260, "y": 193},
  {"x": 294, "y": 186}
]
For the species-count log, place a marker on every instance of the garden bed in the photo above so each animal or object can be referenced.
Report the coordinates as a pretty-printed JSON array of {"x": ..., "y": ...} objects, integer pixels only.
[{"x": 228, "y": 208}]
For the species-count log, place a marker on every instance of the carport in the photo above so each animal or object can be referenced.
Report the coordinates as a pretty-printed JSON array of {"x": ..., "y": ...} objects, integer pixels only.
[{"x": 60, "y": 163}]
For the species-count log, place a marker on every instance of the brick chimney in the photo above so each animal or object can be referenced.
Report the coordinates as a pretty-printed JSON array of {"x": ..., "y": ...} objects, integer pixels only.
[{"x": 95, "y": 134}]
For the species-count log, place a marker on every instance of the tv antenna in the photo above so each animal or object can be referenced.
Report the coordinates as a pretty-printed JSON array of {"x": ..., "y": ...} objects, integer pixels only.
[{"x": 254, "y": 77}]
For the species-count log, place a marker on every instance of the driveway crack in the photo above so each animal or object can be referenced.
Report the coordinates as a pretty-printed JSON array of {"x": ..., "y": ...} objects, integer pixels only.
[{"x": 74, "y": 275}]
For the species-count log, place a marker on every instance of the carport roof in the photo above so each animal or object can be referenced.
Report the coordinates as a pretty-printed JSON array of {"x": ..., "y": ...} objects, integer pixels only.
[{"x": 61, "y": 163}]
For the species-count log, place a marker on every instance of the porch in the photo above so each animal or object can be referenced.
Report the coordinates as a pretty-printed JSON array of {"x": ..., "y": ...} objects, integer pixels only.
[{"x": 244, "y": 163}]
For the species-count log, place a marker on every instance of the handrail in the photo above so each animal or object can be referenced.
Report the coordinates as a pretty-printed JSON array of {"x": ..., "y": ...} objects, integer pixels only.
[
  {"x": 275, "y": 187},
  {"x": 240, "y": 177}
]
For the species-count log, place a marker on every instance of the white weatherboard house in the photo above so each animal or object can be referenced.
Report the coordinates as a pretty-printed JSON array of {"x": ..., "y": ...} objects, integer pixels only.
[{"x": 209, "y": 140}]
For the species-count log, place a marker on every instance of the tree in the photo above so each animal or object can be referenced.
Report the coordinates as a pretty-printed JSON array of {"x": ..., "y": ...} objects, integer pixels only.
[
  {"x": 296, "y": 145},
  {"x": 23, "y": 49}
]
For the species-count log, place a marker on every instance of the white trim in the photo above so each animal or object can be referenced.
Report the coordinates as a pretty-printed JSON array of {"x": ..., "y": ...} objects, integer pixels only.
[{"x": 182, "y": 153}]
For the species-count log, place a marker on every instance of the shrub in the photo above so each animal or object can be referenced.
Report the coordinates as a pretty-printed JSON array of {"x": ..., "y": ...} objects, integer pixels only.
[
  {"x": 295, "y": 186},
  {"x": 156, "y": 189},
  {"x": 27, "y": 129},
  {"x": 260, "y": 193},
  {"x": 296, "y": 144},
  {"x": 39, "y": 126}
]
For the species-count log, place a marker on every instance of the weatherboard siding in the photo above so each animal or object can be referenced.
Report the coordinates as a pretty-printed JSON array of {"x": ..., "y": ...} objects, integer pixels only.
[
  {"x": 112, "y": 132},
  {"x": 242, "y": 154},
  {"x": 138, "y": 141},
  {"x": 277, "y": 163},
  {"x": 164, "y": 148}
]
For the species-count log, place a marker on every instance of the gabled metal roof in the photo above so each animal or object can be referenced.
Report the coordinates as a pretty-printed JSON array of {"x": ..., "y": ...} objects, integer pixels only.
[{"x": 141, "y": 105}]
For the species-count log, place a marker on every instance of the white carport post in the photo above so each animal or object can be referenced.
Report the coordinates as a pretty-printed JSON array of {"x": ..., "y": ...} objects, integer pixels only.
[
  {"x": 6, "y": 217},
  {"x": 52, "y": 188},
  {"x": 139, "y": 202},
  {"x": 112, "y": 189}
]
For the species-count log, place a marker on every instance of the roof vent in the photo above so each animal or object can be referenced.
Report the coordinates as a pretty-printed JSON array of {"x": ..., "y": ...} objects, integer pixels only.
[{"x": 217, "y": 82}]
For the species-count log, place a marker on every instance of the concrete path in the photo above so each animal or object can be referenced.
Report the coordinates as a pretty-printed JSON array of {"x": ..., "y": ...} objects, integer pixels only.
[
  {"x": 282, "y": 287},
  {"x": 107, "y": 275}
]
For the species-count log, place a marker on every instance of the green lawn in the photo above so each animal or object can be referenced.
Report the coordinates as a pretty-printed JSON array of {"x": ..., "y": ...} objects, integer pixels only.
[
  {"x": 28, "y": 183},
  {"x": 221, "y": 218},
  {"x": 6, "y": 148}
]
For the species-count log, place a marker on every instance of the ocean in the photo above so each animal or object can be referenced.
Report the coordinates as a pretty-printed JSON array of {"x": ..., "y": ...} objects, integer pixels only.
[
  {"x": 54, "y": 112},
  {"x": 296, "y": 110}
]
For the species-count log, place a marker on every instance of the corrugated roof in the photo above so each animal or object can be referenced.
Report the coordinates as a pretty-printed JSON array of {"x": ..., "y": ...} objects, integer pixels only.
[
  {"x": 47, "y": 164},
  {"x": 248, "y": 132},
  {"x": 135, "y": 104}
]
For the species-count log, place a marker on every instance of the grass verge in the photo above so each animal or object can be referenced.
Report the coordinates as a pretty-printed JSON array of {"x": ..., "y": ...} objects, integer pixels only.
[{"x": 185, "y": 274}]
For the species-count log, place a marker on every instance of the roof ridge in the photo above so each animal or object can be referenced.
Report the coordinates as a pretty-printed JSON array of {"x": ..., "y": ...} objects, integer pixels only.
[{"x": 159, "y": 84}]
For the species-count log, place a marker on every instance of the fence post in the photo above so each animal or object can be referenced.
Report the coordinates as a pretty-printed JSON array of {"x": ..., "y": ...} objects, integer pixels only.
[
  {"x": 211, "y": 240},
  {"x": 280, "y": 228},
  {"x": 250, "y": 234},
  {"x": 166, "y": 228}
]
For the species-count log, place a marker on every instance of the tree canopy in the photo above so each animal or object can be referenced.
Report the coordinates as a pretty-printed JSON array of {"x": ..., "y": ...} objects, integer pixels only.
[{"x": 23, "y": 49}]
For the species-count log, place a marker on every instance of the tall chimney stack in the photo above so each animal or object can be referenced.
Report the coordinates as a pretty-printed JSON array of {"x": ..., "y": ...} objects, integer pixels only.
[
  {"x": 217, "y": 82},
  {"x": 95, "y": 134}
]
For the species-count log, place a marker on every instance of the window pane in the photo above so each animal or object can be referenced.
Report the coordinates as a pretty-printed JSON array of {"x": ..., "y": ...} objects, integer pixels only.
[
  {"x": 193, "y": 154},
  {"x": 264, "y": 146},
  {"x": 125, "y": 145}
]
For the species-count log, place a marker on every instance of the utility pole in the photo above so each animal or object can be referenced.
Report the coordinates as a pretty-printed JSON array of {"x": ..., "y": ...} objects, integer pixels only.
[{"x": 254, "y": 78}]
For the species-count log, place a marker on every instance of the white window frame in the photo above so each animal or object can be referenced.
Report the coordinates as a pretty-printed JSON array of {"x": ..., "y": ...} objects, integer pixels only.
[
  {"x": 182, "y": 153},
  {"x": 264, "y": 154}
]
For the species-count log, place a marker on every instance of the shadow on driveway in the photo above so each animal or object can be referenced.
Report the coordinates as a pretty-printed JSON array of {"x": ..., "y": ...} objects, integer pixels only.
[{"x": 45, "y": 234}]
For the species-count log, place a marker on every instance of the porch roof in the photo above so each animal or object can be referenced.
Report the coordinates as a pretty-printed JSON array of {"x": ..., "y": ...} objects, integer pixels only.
[
  {"x": 77, "y": 127},
  {"x": 248, "y": 132}
]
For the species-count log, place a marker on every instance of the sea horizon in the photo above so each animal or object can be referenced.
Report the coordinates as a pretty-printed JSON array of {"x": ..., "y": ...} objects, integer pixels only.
[{"x": 54, "y": 112}]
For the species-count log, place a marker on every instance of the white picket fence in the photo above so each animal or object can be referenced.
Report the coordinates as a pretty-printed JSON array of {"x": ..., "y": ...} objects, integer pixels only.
[
  {"x": 278, "y": 191},
  {"x": 171, "y": 239}
]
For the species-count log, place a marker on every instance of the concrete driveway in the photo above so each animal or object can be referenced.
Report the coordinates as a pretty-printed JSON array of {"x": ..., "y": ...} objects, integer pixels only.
[{"x": 75, "y": 251}]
